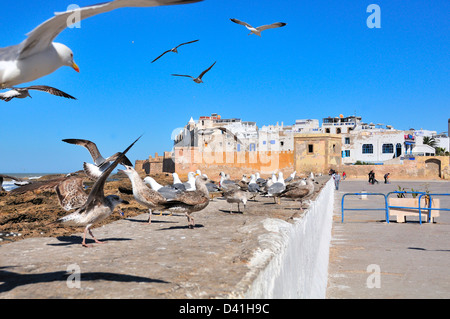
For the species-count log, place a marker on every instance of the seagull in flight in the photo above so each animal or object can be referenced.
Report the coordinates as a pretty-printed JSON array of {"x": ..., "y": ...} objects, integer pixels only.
[
  {"x": 258, "y": 30},
  {"x": 97, "y": 206},
  {"x": 199, "y": 78},
  {"x": 94, "y": 171},
  {"x": 22, "y": 93},
  {"x": 38, "y": 55},
  {"x": 175, "y": 49}
]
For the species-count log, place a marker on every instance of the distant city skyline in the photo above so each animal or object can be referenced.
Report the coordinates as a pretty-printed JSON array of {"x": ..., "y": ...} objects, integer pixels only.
[{"x": 325, "y": 61}]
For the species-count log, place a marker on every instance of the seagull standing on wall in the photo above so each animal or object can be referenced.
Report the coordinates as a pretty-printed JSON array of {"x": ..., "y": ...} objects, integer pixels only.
[
  {"x": 258, "y": 30},
  {"x": 38, "y": 55}
]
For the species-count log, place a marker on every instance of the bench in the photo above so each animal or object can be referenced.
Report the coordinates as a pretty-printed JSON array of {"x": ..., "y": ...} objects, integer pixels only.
[{"x": 401, "y": 213}]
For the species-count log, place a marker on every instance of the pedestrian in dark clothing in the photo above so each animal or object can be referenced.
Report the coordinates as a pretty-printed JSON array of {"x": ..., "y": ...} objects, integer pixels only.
[
  {"x": 386, "y": 178},
  {"x": 371, "y": 177}
]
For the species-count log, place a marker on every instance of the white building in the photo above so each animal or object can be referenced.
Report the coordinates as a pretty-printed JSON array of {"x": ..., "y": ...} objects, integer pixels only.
[{"x": 363, "y": 142}]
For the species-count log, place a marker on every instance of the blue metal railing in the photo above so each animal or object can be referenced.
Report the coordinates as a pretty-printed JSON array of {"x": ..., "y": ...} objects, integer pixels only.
[
  {"x": 429, "y": 206},
  {"x": 387, "y": 206}
]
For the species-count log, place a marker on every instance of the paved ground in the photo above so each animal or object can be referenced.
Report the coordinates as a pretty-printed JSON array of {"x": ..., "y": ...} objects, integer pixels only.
[
  {"x": 372, "y": 259},
  {"x": 162, "y": 260},
  {"x": 168, "y": 260}
]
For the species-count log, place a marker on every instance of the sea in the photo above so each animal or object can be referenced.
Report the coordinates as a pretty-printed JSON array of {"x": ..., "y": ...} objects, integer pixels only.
[{"x": 9, "y": 185}]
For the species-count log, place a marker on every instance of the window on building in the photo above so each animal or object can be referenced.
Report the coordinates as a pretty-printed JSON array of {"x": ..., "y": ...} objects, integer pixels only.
[
  {"x": 281, "y": 143},
  {"x": 346, "y": 153},
  {"x": 388, "y": 148},
  {"x": 367, "y": 149},
  {"x": 338, "y": 130},
  {"x": 272, "y": 141},
  {"x": 327, "y": 130},
  {"x": 310, "y": 148},
  {"x": 347, "y": 140}
]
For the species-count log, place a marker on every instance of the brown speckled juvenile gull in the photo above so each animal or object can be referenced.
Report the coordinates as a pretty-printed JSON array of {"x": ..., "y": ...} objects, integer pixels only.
[
  {"x": 236, "y": 196},
  {"x": 71, "y": 194},
  {"x": 190, "y": 201},
  {"x": 97, "y": 206},
  {"x": 298, "y": 191},
  {"x": 145, "y": 196}
]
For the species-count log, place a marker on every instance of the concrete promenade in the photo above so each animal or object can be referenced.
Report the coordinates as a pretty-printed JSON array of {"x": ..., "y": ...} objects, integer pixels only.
[
  {"x": 372, "y": 259},
  {"x": 223, "y": 255},
  {"x": 220, "y": 258}
]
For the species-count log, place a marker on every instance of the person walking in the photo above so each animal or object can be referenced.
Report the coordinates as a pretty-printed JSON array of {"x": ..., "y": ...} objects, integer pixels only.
[
  {"x": 371, "y": 176},
  {"x": 386, "y": 178},
  {"x": 374, "y": 180},
  {"x": 337, "y": 179},
  {"x": 344, "y": 176}
]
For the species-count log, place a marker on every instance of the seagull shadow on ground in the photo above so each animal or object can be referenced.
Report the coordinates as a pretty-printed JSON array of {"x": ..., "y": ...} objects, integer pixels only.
[
  {"x": 76, "y": 240},
  {"x": 424, "y": 249},
  {"x": 232, "y": 212},
  {"x": 11, "y": 280},
  {"x": 145, "y": 221},
  {"x": 180, "y": 227}
]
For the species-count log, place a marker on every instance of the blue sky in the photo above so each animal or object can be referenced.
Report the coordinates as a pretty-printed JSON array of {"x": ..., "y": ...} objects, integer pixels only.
[{"x": 325, "y": 62}]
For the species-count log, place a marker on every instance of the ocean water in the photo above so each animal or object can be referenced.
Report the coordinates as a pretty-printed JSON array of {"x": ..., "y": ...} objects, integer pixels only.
[{"x": 9, "y": 185}]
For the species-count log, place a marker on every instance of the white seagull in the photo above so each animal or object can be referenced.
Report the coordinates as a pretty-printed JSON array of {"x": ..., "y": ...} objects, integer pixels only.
[
  {"x": 22, "y": 93},
  {"x": 38, "y": 55},
  {"x": 258, "y": 30},
  {"x": 199, "y": 78},
  {"x": 175, "y": 49}
]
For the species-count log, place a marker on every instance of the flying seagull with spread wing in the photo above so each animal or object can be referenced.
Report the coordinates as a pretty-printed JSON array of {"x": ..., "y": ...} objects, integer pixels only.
[
  {"x": 97, "y": 206},
  {"x": 93, "y": 171},
  {"x": 38, "y": 55},
  {"x": 21, "y": 93},
  {"x": 199, "y": 78},
  {"x": 258, "y": 30},
  {"x": 175, "y": 49}
]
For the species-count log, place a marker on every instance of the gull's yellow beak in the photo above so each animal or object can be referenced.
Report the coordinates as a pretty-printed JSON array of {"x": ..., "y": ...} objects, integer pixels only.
[{"x": 75, "y": 67}]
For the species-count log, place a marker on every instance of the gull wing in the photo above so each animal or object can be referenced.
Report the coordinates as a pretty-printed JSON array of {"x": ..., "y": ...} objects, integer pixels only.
[
  {"x": 96, "y": 195},
  {"x": 125, "y": 160},
  {"x": 188, "y": 76},
  {"x": 50, "y": 90},
  {"x": 160, "y": 55},
  {"x": 90, "y": 146},
  {"x": 271, "y": 26},
  {"x": 42, "y": 36},
  {"x": 241, "y": 23},
  {"x": 185, "y": 43},
  {"x": 203, "y": 73}
]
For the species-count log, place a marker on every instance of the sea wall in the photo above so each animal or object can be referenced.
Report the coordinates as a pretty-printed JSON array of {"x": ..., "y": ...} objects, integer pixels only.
[{"x": 296, "y": 254}]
